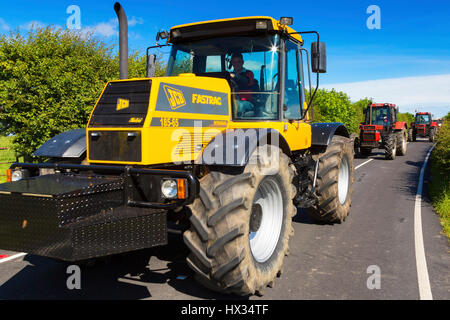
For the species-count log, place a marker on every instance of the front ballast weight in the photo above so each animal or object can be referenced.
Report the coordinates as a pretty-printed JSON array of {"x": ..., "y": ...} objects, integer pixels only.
[{"x": 75, "y": 217}]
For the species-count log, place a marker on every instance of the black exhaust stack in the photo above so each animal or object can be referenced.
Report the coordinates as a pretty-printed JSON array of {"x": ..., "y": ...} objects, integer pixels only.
[{"x": 123, "y": 40}]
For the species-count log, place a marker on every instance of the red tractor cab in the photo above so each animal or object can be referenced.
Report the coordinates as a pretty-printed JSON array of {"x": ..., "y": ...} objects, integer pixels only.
[
  {"x": 423, "y": 126},
  {"x": 381, "y": 130}
]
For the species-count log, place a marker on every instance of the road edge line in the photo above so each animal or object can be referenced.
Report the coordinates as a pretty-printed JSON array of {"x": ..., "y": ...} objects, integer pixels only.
[
  {"x": 421, "y": 261},
  {"x": 13, "y": 257},
  {"x": 357, "y": 167}
]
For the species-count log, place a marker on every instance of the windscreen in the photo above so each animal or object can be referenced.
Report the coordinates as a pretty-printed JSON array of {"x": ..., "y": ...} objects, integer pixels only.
[
  {"x": 423, "y": 119},
  {"x": 380, "y": 116},
  {"x": 249, "y": 63}
]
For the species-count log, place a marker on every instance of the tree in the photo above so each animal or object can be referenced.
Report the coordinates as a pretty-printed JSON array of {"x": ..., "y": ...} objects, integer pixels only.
[
  {"x": 358, "y": 107},
  {"x": 50, "y": 80},
  {"x": 334, "y": 106},
  {"x": 405, "y": 117}
]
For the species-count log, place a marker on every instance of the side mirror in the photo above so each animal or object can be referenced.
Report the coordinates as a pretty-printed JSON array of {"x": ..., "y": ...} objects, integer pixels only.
[
  {"x": 319, "y": 57},
  {"x": 162, "y": 35},
  {"x": 151, "y": 65}
]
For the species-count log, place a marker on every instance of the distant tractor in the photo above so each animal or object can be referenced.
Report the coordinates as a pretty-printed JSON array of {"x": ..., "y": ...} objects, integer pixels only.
[
  {"x": 423, "y": 126},
  {"x": 381, "y": 130}
]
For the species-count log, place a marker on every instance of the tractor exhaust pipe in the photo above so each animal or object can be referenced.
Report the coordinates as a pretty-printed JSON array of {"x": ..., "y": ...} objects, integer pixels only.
[{"x": 123, "y": 40}]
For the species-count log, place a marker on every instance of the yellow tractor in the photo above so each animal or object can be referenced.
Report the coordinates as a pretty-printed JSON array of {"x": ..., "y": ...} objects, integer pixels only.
[{"x": 221, "y": 149}]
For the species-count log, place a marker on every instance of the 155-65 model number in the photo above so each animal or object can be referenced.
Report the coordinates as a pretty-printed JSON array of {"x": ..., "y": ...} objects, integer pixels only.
[{"x": 169, "y": 122}]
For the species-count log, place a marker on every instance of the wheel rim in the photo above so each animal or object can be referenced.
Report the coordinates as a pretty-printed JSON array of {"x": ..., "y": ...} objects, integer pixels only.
[
  {"x": 404, "y": 143},
  {"x": 265, "y": 230},
  {"x": 343, "y": 180}
]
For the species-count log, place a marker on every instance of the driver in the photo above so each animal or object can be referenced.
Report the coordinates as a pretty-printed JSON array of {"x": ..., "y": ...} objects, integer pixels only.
[
  {"x": 245, "y": 80},
  {"x": 383, "y": 116}
]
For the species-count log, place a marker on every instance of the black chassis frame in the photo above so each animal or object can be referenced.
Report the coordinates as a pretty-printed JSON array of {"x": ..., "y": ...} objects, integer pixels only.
[{"x": 129, "y": 173}]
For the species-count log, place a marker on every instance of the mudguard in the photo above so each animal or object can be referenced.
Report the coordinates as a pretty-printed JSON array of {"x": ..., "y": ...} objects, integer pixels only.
[
  {"x": 322, "y": 133},
  {"x": 234, "y": 147},
  {"x": 400, "y": 125},
  {"x": 70, "y": 144}
]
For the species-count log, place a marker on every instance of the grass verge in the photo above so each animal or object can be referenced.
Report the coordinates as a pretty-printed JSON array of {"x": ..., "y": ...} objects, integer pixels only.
[
  {"x": 439, "y": 187},
  {"x": 440, "y": 196}
]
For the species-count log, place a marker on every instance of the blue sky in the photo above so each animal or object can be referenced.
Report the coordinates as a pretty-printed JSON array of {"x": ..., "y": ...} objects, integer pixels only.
[{"x": 412, "y": 46}]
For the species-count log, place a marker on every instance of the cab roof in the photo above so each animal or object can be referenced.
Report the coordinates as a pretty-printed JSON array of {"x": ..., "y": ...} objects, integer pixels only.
[
  {"x": 232, "y": 26},
  {"x": 383, "y": 105}
]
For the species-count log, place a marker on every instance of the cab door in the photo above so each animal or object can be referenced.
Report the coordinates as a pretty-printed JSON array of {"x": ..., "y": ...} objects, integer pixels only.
[{"x": 296, "y": 131}]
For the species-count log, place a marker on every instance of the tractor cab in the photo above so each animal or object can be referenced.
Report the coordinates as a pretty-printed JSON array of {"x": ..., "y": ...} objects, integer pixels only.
[
  {"x": 269, "y": 83},
  {"x": 423, "y": 118},
  {"x": 380, "y": 115}
]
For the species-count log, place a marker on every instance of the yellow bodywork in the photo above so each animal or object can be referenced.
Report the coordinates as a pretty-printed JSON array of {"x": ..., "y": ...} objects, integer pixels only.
[
  {"x": 275, "y": 24},
  {"x": 169, "y": 134},
  {"x": 167, "y": 139}
]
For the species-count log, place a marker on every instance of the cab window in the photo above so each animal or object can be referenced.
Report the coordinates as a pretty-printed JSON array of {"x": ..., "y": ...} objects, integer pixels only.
[{"x": 292, "y": 91}]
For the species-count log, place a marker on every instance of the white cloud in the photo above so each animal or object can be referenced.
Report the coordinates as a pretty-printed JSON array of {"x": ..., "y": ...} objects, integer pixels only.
[
  {"x": 32, "y": 24},
  {"x": 412, "y": 93},
  {"x": 135, "y": 21},
  {"x": 111, "y": 28},
  {"x": 105, "y": 29},
  {"x": 4, "y": 26}
]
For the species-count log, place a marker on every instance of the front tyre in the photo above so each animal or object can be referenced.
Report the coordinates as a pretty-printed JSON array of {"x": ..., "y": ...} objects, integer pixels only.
[
  {"x": 401, "y": 143},
  {"x": 410, "y": 135},
  {"x": 390, "y": 147},
  {"x": 334, "y": 186},
  {"x": 432, "y": 135},
  {"x": 241, "y": 224}
]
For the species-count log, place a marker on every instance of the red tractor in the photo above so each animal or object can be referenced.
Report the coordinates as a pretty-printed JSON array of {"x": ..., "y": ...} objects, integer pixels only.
[
  {"x": 423, "y": 126},
  {"x": 381, "y": 130}
]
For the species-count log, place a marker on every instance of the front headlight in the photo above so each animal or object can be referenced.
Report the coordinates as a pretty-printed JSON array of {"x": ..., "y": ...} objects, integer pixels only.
[
  {"x": 169, "y": 189},
  {"x": 18, "y": 175}
]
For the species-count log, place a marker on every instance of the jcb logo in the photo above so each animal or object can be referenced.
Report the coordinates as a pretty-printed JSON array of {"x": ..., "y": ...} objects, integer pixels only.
[
  {"x": 175, "y": 97},
  {"x": 122, "y": 104}
]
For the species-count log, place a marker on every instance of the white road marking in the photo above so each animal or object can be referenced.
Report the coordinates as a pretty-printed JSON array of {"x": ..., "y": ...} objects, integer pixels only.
[
  {"x": 421, "y": 262},
  {"x": 12, "y": 257},
  {"x": 357, "y": 167}
]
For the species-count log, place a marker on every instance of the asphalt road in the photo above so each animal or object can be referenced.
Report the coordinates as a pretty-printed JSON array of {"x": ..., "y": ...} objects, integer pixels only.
[{"x": 325, "y": 261}]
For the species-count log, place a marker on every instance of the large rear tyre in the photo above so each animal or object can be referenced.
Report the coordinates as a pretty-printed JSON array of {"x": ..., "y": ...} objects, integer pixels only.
[
  {"x": 391, "y": 147},
  {"x": 401, "y": 143},
  {"x": 334, "y": 185},
  {"x": 241, "y": 224}
]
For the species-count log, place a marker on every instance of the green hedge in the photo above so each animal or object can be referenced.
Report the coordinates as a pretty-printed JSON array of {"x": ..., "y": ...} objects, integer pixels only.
[
  {"x": 440, "y": 171},
  {"x": 50, "y": 81}
]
